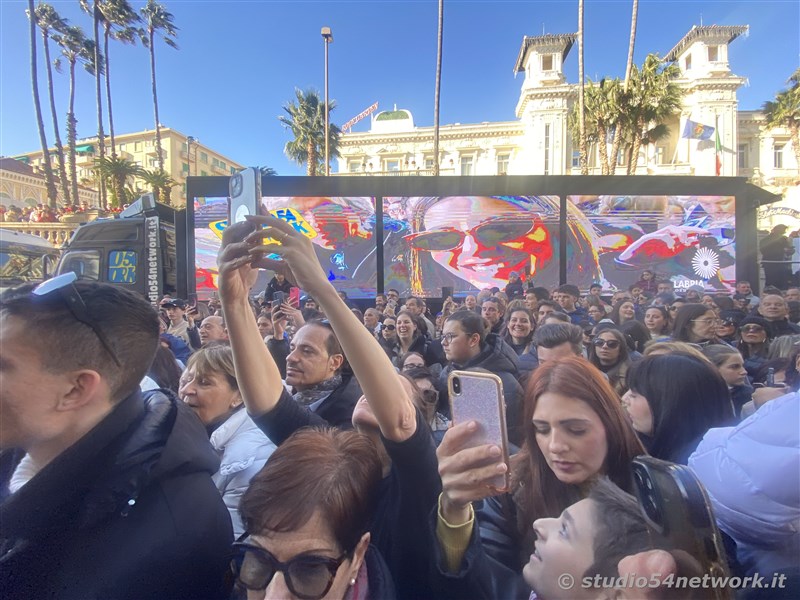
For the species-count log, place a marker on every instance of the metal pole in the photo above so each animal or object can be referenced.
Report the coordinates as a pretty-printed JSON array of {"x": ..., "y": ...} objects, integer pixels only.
[{"x": 327, "y": 38}]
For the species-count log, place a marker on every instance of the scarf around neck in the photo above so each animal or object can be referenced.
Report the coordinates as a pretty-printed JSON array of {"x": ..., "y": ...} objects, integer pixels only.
[{"x": 318, "y": 392}]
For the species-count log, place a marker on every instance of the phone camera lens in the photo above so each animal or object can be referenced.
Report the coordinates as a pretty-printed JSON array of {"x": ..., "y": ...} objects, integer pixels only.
[{"x": 456, "y": 385}]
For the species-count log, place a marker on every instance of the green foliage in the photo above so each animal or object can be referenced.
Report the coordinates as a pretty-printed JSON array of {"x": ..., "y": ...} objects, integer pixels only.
[
  {"x": 160, "y": 183},
  {"x": 306, "y": 121},
  {"x": 117, "y": 172}
]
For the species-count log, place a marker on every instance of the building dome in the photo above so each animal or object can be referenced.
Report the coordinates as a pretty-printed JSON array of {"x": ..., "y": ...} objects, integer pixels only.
[{"x": 392, "y": 121}]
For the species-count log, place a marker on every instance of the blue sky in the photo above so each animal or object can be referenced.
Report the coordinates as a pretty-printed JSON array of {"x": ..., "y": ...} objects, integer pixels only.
[{"x": 239, "y": 62}]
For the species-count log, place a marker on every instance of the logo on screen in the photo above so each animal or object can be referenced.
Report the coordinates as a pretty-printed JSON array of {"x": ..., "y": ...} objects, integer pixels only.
[{"x": 705, "y": 263}]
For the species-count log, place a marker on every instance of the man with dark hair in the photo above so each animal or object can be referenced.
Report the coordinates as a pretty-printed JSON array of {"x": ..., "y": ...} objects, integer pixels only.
[
  {"x": 278, "y": 283},
  {"x": 568, "y": 298},
  {"x": 416, "y": 306},
  {"x": 313, "y": 366},
  {"x": 493, "y": 309},
  {"x": 745, "y": 292},
  {"x": 106, "y": 491},
  {"x": 665, "y": 286},
  {"x": 557, "y": 340},
  {"x": 181, "y": 322},
  {"x": 545, "y": 308}
]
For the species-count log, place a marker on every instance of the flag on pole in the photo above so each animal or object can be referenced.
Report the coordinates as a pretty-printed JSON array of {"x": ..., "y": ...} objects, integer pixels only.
[
  {"x": 697, "y": 131},
  {"x": 717, "y": 152}
]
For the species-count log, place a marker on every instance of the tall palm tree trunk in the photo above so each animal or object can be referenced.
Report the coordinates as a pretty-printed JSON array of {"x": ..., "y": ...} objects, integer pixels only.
[
  {"x": 437, "y": 89},
  {"x": 311, "y": 168},
  {"x": 602, "y": 146},
  {"x": 72, "y": 134},
  {"x": 584, "y": 163},
  {"x": 52, "y": 193},
  {"x": 62, "y": 167},
  {"x": 628, "y": 68},
  {"x": 159, "y": 153},
  {"x": 101, "y": 144},
  {"x": 108, "y": 90},
  {"x": 636, "y": 145}
]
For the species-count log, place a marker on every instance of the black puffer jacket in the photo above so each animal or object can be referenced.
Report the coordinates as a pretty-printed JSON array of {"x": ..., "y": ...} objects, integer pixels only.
[
  {"x": 128, "y": 511},
  {"x": 499, "y": 358}
]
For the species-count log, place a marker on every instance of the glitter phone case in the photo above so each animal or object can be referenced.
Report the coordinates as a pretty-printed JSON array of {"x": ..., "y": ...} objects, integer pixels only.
[{"x": 476, "y": 396}]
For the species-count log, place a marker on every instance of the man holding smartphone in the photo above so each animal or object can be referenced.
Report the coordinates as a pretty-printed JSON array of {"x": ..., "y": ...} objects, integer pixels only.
[
  {"x": 181, "y": 321},
  {"x": 277, "y": 284}
]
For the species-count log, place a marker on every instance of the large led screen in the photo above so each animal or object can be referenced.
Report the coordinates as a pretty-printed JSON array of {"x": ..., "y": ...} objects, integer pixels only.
[
  {"x": 341, "y": 230},
  {"x": 690, "y": 240},
  {"x": 473, "y": 242}
]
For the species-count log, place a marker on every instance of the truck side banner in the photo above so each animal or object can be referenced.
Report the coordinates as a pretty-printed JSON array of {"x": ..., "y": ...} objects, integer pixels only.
[{"x": 153, "y": 259}]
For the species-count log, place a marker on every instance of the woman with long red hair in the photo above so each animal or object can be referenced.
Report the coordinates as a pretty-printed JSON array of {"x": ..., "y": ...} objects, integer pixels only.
[{"x": 575, "y": 432}]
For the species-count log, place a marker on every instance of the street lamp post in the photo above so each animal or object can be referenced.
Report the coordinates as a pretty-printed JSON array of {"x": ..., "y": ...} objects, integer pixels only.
[
  {"x": 189, "y": 141},
  {"x": 327, "y": 38}
]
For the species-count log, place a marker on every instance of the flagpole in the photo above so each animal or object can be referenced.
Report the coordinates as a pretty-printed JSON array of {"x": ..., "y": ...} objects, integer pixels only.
[{"x": 717, "y": 147}]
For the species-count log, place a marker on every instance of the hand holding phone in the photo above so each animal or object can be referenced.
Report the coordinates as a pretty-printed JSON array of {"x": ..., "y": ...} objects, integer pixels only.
[{"x": 278, "y": 298}]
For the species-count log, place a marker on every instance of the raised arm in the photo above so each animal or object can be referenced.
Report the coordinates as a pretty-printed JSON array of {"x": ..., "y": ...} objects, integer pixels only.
[
  {"x": 256, "y": 372},
  {"x": 393, "y": 408}
]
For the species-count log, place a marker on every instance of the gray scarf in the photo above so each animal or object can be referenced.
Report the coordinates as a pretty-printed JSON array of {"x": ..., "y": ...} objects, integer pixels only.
[{"x": 318, "y": 392}]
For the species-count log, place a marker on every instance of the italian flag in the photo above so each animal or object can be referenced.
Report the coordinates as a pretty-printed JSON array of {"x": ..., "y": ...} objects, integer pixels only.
[{"x": 717, "y": 151}]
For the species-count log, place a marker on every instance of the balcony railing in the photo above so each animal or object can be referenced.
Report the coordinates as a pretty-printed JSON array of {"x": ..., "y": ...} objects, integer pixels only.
[
  {"x": 402, "y": 173},
  {"x": 55, "y": 233}
]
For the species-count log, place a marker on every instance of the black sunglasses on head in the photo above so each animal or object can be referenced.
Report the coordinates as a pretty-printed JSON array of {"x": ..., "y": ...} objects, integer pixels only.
[
  {"x": 307, "y": 576},
  {"x": 63, "y": 286}
]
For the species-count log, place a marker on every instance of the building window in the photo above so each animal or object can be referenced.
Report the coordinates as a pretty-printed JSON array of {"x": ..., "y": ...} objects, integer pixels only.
[
  {"x": 466, "y": 165},
  {"x": 222, "y": 165},
  {"x": 576, "y": 159},
  {"x": 621, "y": 157},
  {"x": 713, "y": 54},
  {"x": 391, "y": 165},
  {"x": 203, "y": 157},
  {"x": 741, "y": 156},
  {"x": 429, "y": 163},
  {"x": 153, "y": 163},
  {"x": 203, "y": 174},
  {"x": 547, "y": 148},
  {"x": 354, "y": 166},
  {"x": 185, "y": 167},
  {"x": 137, "y": 146},
  {"x": 502, "y": 164},
  {"x": 688, "y": 62},
  {"x": 777, "y": 156},
  {"x": 122, "y": 147},
  {"x": 148, "y": 143},
  {"x": 661, "y": 153},
  {"x": 547, "y": 62},
  {"x": 233, "y": 170}
]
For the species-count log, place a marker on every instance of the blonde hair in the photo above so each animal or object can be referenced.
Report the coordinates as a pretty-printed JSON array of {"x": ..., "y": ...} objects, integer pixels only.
[
  {"x": 214, "y": 358},
  {"x": 673, "y": 347}
]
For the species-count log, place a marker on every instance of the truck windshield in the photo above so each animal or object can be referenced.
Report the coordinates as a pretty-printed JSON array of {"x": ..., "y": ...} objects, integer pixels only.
[
  {"x": 18, "y": 267},
  {"x": 84, "y": 263}
]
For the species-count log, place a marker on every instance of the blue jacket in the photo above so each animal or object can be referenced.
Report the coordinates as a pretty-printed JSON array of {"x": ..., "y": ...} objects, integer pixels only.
[{"x": 752, "y": 475}]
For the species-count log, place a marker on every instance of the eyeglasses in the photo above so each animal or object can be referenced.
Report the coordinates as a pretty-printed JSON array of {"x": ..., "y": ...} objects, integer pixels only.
[
  {"x": 308, "y": 577},
  {"x": 611, "y": 344},
  {"x": 64, "y": 287},
  {"x": 448, "y": 337},
  {"x": 486, "y": 234},
  {"x": 707, "y": 321},
  {"x": 673, "y": 308},
  {"x": 387, "y": 327},
  {"x": 410, "y": 366},
  {"x": 752, "y": 329}
]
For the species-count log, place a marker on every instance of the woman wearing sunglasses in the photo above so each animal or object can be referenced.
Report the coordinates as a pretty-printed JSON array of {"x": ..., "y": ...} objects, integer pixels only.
[
  {"x": 754, "y": 339},
  {"x": 307, "y": 513},
  {"x": 385, "y": 416},
  {"x": 609, "y": 353},
  {"x": 388, "y": 331}
]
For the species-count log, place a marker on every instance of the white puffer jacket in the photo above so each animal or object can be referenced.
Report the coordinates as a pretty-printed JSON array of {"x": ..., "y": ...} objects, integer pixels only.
[{"x": 752, "y": 475}]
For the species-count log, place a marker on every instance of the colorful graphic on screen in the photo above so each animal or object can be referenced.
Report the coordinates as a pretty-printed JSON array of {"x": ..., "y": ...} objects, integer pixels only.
[
  {"x": 475, "y": 242},
  {"x": 690, "y": 240}
]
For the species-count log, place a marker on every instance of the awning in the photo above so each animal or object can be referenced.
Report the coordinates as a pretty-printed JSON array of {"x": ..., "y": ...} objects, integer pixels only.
[
  {"x": 84, "y": 148},
  {"x": 24, "y": 159}
]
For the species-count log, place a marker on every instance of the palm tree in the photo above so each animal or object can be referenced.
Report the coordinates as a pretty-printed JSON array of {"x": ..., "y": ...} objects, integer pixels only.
[
  {"x": 119, "y": 19},
  {"x": 160, "y": 182},
  {"x": 581, "y": 96},
  {"x": 306, "y": 121},
  {"x": 157, "y": 19},
  {"x": 784, "y": 112},
  {"x": 117, "y": 172},
  {"x": 50, "y": 22},
  {"x": 437, "y": 89},
  {"x": 600, "y": 110},
  {"x": 628, "y": 70},
  {"x": 52, "y": 193},
  {"x": 653, "y": 96},
  {"x": 75, "y": 47},
  {"x": 92, "y": 7},
  {"x": 267, "y": 171}
]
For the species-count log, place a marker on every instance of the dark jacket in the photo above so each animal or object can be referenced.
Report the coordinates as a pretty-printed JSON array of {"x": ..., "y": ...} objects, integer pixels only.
[
  {"x": 431, "y": 351},
  {"x": 492, "y": 565},
  {"x": 128, "y": 511},
  {"x": 499, "y": 358},
  {"x": 406, "y": 496},
  {"x": 273, "y": 286},
  {"x": 337, "y": 409},
  {"x": 379, "y": 578},
  {"x": 783, "y": 327}
]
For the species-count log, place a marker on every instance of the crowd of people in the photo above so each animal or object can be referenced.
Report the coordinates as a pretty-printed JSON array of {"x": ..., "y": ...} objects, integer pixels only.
[
  {"x": 253, "y": 446},
  {"x": 41, "y": 213}
]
